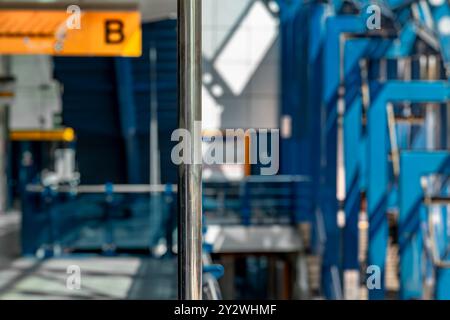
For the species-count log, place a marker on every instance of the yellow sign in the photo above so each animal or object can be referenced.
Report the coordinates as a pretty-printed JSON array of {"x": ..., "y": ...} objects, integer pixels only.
[{"x": 62, "y": 33}]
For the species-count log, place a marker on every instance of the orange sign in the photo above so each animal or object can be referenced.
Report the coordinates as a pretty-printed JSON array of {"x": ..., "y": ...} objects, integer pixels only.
[{"x": 59, "y": 33}]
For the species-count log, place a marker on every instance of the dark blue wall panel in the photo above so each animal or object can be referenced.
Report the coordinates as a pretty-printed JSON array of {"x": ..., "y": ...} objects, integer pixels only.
[{"x": 91, "y": 106}]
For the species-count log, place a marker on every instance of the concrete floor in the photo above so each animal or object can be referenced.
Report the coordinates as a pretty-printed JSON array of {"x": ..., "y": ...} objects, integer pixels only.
[
  {"x": 101, "y": 277},
  {"x": 111, "y": 277},
  {"x": 9, "y": 238}
]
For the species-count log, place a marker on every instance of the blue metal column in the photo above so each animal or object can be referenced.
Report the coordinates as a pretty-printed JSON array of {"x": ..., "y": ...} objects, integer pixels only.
[
  {"x": 333, "y": 253},
  {"x": 378, "y": 150},
  {"x": 318, "y": 14},
  {"x": 294, "y": 91},
  {"x": 415, "y": 165}
]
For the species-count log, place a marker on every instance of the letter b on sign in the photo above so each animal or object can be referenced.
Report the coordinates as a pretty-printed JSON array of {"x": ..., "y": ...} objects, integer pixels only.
[{"x": 114, "y": 31}]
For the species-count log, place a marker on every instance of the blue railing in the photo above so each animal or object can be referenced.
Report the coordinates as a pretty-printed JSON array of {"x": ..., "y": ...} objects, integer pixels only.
[{"x": 112, "y": 219}]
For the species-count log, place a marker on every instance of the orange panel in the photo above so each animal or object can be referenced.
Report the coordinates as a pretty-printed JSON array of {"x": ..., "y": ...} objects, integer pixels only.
[{"x": 101, "y": 33}]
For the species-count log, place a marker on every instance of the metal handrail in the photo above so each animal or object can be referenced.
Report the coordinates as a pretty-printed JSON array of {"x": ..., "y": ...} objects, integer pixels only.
[
  {"x": 91, "y": 189},
  {"x": 145, "y": 188}
]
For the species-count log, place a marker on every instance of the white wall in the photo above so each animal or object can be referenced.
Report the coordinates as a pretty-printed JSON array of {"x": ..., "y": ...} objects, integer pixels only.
[
  {"x": 37, "y": 96},
  {"x": 256, "y": 106},
  {"x": 157, "y": 9}
]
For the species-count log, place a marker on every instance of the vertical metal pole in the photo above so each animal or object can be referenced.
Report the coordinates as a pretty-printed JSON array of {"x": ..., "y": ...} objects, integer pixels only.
[
  {"x": 4, "y": 153},
  {"x": 190, "y": 175},
  {"x": 6, "y": 97}
]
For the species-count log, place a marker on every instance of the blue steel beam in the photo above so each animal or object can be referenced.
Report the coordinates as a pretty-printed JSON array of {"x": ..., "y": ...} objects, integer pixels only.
[
  {"x": 289, "y": 9},
  {"x": 342, "y": 71},
  {"x": 329, "y": 206},
  {"x": 316, "y": 40},
  {"x": 350, "y": 24},
  {"x": 293, "y": 86},
  {"x": 407, "y": 39},
  {"x": 354, "y": 139},
  {"x": 414, "y": 166},
  {"x": 344, "y": 27},
  {"x": 378, "y": 150},
  {"x": 355, "y": 47},
  {"x": 441, "y": 16}
]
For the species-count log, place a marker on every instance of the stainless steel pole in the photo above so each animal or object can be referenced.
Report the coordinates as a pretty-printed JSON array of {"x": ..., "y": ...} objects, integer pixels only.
[
  {"x": 4, "y": 153},
  {"x": 190, "y": 174},
  {"x": 6, "y": 99}
]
